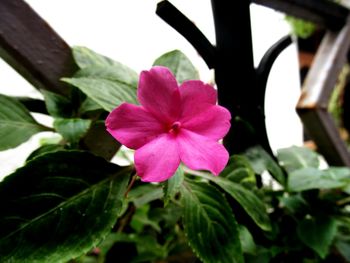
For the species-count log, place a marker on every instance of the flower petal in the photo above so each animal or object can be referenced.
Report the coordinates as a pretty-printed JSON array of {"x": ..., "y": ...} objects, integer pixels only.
[
  {"x": 196, "y": 91},
  {"x": 158, "y": 92},
  {"x": 194, "y": 95},
  {"x": 212, "y": 121},
  {"x": 158, "y": 160},
  {"x": 133, "y": 126},
  {"x": 201, "y": 153}
]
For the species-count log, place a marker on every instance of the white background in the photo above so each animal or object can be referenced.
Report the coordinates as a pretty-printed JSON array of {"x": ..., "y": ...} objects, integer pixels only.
[{"x": 130, "y": 32}]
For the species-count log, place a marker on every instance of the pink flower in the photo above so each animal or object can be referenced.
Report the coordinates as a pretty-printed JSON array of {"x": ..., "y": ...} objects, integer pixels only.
[{"x": 173, "y": 124}]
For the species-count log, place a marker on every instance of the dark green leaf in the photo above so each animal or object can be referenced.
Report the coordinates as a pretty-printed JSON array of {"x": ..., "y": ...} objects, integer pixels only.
[
  {"x": 262, "y": 255},
  {"x": 209, "y": 224},
  {"x": 140, "y": 219},
  {"x": 16, "y": 123},
  {"x": 261, "y": 161},
  {"x": 144, "y": 194},
  {"x": 57, "y": 105},
  {"x": 312, "y": 178},
  {"x": 247, "y": 241},
  {"x": 173, "y": 185},
  {"x": 342, "y": 239},
  {"x": 344, "y": 249},
  {"x": 85, "y": 58},
  {"x": 254, "y": 207},
  {"x": 44, "y": 149},
  {"x": 59, "y": 206},
  {"x": 106, "y": 93},
  {"x": 72, "y": 129},
  {"x": 238, "y": 169},
  {"x": 168, "y": 216},
  {"x": 317, "y": 233},
  {"x": 99, "y": 141},
  {"x": 89, "y": 105},
  {"x": 148, "y": 248},
  {"x": 294, "y": 204},
  {"x": 295, "y": 158},
  {"x": 179, "y": 64}
]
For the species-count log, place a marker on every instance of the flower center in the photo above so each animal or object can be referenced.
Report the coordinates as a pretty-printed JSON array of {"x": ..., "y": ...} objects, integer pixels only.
[{"x": 175, "y": 127}]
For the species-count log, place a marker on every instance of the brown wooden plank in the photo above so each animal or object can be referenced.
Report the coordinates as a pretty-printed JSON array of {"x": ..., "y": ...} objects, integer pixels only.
[
  {"x": 33, "y": 48},
  {"x": 318, "y": 85},
  {"x": 42, "y": 57},
  {"x": 323, "y": 131}
]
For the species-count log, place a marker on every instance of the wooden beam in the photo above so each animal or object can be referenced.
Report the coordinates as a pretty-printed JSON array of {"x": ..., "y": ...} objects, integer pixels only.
[
  {"x": 33, "y": 48},
  {"x": 318, "y": 85}
]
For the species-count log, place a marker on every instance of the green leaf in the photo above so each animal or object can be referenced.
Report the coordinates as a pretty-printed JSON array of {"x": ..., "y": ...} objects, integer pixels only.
[
  {"x": 57, "y": 105},
  {"x": 85, "y": 58},
  {"x": 114, "y": 73},
  {"x": 295, "y": 158},
  {"x": 294, "y": 204},
  {"x": 72, "y": 129},
  {"x": 344, "y": 249},
  {"x": 261, "y": 161},
  {"x": 144, "y": 194},
  {"x": 59, "y": 206},
  {"x": 313, "y": 178},
  {"x": 209, "y": 224},
  {"x": 238, "y": 170},
  {"x": 247, "y": 241},
  {"x": 254, "y": 207},
  {"x": 173, "y": 185},
  {"x": 89, "y": 105},
  {"x": 45, "y": 149},
  {"x": 140, "y": 219},
  {"x": 16, "y": 123},
  {"x": 317, "y": 233},
  {"x": 179, "y": 64},
  {"x": 106, "y": 93},
  {"x": 106, "y": 82}
]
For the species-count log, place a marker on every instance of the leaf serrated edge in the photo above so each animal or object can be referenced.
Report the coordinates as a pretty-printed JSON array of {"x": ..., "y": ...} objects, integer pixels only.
[{"x": 184, "y": 185}]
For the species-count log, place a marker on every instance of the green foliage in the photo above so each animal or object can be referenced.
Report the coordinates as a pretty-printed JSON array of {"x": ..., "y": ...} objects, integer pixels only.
[
  {"x": 16, "y": 123},
  {"x": 254, "y": 207},
  {"x": 239, "y": 170},
  {"x": 295, "y": 158},
  {"x": 72, "y": 129},
  {"x": 318, "y": 233},
  {"x": 312, "y": 178},
  {"x": 106, "y": 93},
  {"x": 173, "y": 185},
  {"x": 261, "y": 162},
  {"x": 210, "y": 226},
  {"x": 57, "y": 105},
  {"x": 86, "y": 58},
  {"x": 59, "y": 198},
  {"x": 247, "y": 241},
  {"x": 72, "y": 206},
  {"x": 46, "y": 148},
  {"x": 300, "y": 27},
  {"x": 106, "y": 82},
  {"x": 179, "y": 64}
]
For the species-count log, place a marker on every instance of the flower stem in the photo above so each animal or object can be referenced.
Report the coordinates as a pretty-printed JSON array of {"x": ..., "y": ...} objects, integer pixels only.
[{"x": 133, "y": 179}]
